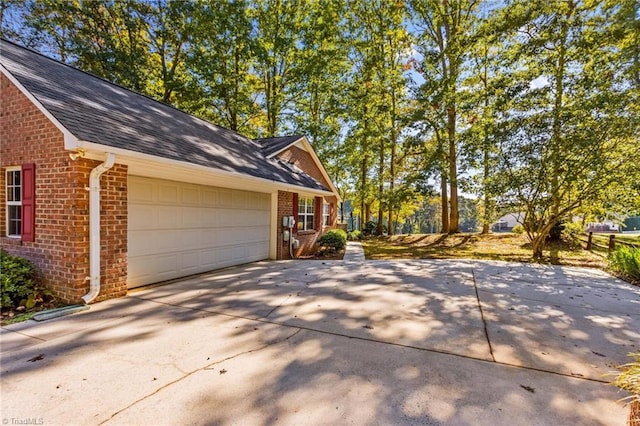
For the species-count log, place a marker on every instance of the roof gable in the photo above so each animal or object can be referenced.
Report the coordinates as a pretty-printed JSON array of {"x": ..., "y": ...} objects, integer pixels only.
[
  {"x": 95, "y": 110},
  {"x": 298, "y": 150},
  {"x": 273, "y": 146}
]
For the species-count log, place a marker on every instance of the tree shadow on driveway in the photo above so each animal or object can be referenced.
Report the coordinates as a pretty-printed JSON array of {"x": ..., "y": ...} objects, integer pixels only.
[{"x": 393, "y": 342}]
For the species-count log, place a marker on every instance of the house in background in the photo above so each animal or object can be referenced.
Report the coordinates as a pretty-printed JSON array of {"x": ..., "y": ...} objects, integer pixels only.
[
  {"x": 105, "y": 189},
  {"x": 507, "y": 222}
]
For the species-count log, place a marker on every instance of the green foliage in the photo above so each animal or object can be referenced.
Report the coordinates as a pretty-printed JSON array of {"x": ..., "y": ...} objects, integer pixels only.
[
  {"x": 371, "y": 227},
  {"x": 354, "y": 235},
  {"x": 518, "y": 229},
  {"x": 626, "y": 261},
  {"x": 334, "y": 240},
  {"x": 20, "y": 283},
  {"x": 571, "y": 233},
  {"x": 537, "y": 101},
  {"x": 629, "y": 378}
]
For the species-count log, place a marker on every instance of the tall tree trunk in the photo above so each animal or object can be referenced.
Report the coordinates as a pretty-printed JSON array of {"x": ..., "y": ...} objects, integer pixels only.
[
  {"x": 364, "y": 215},
  {"x": 379, "y": 229},
  {"x": 556, "y": 136},
  {"x": 486, "y": 217},
  {"x": 453, "y": 171},
  {"x": 236, "y": 89},
  {"x": 445, "y": 201},
  {"x": 392, "y": 163},
  {"x": 363, "y": 181}
]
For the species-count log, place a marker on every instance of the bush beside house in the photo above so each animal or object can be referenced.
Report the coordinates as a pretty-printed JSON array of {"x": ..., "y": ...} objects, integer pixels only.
[
  {"x": 333, "y": 241},
  {"x": 20, "y": 283}
]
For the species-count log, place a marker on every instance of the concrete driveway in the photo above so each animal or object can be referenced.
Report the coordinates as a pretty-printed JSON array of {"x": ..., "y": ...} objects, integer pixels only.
[{"x": 335, "y": 342}]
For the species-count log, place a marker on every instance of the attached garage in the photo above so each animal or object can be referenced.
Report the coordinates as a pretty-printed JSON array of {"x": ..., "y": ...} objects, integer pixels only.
[
  {"x": 169, "y": 194},
  {"x": 178, "y": 229}
]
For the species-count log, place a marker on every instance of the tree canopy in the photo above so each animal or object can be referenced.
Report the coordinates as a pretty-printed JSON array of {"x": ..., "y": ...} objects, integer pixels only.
[{"x": 524, "y": 106}]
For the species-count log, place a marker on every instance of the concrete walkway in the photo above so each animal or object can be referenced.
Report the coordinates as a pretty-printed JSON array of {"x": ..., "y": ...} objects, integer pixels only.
[
  {"x": 354, "y": 252},
  {"x": 334, "y": 342}
]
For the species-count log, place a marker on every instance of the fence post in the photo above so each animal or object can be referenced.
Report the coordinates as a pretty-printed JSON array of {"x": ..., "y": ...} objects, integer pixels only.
[
  {"x": 612, "y": 243},
  {"x": 589, "y": 241}
]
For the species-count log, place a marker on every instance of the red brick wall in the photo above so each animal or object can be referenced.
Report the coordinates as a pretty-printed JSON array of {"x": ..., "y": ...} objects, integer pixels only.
[
  {"x": 307, "y": 238},
  {"x": 303, "y": 160},
  {"x": 285, "y": 208},
  {"x": 113, "y": 232},
  {"x": 61, "y": 246}
]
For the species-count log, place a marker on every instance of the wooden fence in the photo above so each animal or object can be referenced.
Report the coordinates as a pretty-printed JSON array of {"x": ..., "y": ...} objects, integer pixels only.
[{"x": 611, "y": 246}]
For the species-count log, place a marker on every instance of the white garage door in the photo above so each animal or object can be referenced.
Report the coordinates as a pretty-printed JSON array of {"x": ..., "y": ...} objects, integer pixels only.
[{"x": 178, "y": 229}]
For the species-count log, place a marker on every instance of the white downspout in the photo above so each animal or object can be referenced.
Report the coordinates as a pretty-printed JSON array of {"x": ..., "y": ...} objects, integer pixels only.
[{"x": 94, "y": 227}]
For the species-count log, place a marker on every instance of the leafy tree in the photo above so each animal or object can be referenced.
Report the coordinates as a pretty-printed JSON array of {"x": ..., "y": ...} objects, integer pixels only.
[
  {"x": 572, "y": 134},
  {"x": 277, "y": 29},
  {"x": 220, "y": 58},
  {"x": 382, "y": 41},
  {"x": 444, "y": 41},
  {"x": 321, "y": 88},
  {"x": 170, "y": 28}
]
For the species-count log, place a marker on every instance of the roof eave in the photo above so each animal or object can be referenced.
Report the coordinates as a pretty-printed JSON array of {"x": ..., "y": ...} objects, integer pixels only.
[{"x": 142, "y": 164}]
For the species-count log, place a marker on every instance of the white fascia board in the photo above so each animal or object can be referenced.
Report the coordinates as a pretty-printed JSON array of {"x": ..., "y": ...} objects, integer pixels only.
[
  {"x": 70, "y": 141},
  {"x": 140, "y": 164}
]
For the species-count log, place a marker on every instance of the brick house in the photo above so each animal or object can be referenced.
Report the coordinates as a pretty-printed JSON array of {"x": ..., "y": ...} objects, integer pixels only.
[{"x": 105, "y": 189}]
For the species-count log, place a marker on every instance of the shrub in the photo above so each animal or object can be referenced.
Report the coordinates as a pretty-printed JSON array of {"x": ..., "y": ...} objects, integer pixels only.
[
  {"x": 371, "y": 227},
  {"x": 20, "y": 283},
  {"x": 628, "y": 378},
  {"x": 626, "y": 261},
  {"x": 354, "y": 235},
  {"x": 518, "y": 229},
  {"x": 571, "y": 233},
  {"x": 333, "y": 240}
]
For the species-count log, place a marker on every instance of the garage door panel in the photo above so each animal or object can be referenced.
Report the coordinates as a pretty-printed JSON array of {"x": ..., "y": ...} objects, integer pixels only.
[
  {"x": 190, "y": 261},
  {"x": 239, "y": 200},
  {"x": 209, "y": 197},
  {"x": 167, "y": 217},
  {"x": 191, "y": 195},
  {"x": 144, "y": 217},
  {"x": 191, "y": 217},
  {"x": 178, "y": 229},
  {"x": 225, "y": 198},
  {"x": 141, "y": 192},
  {"x": 148, "y": 268},
  {"x": 168, "y": 193}
]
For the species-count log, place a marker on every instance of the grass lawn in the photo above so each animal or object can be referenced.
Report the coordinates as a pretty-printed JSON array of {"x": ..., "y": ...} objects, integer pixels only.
[{"x": 499, "y": 246}]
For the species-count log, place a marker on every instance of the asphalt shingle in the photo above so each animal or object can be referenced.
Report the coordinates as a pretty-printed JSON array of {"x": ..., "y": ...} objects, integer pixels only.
[{"x": 95, "y": 110}]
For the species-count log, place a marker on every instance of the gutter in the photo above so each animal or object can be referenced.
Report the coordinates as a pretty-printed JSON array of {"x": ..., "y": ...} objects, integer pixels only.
[{"x": 94, "y": 227}]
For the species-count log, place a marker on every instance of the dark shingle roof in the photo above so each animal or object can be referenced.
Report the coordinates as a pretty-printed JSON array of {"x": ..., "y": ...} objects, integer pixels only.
[
  {"x": 272, "y": 145},
  {"x": 98, "y": 111}
]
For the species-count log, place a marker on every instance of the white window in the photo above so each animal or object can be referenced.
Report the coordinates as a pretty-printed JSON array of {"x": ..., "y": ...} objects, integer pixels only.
[
  {"x": 305, "y": 214},
  {"x": 14, "y": 201},
  {"x": 326, "y": 214}
]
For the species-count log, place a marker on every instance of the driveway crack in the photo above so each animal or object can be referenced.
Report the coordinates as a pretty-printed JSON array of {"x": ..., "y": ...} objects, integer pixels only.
[
  {"x": 484, "y": 321},
  {"x": 206, "y": 367}
]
